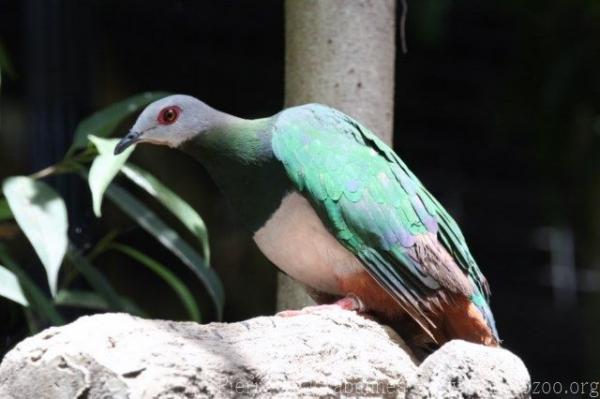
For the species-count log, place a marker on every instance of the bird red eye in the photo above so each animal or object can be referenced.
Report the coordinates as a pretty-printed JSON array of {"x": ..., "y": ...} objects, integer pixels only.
[{"x": 169, "y": 115}]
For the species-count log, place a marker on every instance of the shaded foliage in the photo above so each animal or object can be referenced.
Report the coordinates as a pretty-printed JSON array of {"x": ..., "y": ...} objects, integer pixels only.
[{"x": 40, "y": 212}]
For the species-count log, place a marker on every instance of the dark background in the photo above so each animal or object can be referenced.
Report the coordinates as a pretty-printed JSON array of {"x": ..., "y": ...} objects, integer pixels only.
[{"x": 497, "y": 111}]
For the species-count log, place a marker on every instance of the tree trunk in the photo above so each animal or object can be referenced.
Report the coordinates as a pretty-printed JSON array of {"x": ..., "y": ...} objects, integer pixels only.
[{"x": 340, "y": 53}]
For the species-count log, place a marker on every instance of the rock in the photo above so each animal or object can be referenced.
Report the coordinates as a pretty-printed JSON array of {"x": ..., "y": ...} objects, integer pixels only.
[
  {"x": 461, "y": 370},
  {"x": 329, "y": 353}
]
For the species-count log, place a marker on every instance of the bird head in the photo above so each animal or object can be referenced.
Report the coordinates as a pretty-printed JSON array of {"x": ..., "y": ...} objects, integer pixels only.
[{"x": 170, "y": 121}]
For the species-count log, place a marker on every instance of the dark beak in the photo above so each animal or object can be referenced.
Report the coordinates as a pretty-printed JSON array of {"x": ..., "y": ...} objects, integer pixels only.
[{"x": 131, "y": 138}]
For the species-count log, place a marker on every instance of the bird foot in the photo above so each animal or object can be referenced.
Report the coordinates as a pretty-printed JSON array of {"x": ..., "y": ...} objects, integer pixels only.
[{"x": 350, "y": 302}]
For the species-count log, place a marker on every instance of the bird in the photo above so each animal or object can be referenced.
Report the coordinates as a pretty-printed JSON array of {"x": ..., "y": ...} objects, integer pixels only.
[{"x": 335, "y": 208}]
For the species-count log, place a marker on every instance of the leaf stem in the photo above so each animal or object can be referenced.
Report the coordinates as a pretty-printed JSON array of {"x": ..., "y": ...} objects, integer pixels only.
[
  {"x": 47, "y": 171},
  {"x": 66, "y": 165}
]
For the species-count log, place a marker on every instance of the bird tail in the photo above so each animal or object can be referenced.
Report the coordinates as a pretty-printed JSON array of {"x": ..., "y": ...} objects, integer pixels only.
[
  {"x": 482, "y": 305},
  {"x": 470, "y": 319}
]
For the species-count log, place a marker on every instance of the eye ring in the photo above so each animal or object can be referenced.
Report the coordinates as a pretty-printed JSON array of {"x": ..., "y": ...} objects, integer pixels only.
[{"x": 169, "y": 115}]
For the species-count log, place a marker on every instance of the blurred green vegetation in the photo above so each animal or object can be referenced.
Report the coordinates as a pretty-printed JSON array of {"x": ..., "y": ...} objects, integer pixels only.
[{"x": 36, "y": 210}]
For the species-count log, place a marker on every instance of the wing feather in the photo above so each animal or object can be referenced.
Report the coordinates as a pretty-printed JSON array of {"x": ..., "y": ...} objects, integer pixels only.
[{"x": 376, "y": 207}]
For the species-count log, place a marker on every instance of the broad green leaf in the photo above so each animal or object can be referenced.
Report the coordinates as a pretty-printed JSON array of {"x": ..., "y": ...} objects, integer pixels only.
[
  {"x": 42, "y": 215},
  {"x": 163, "y": 272},
  {"x": 168, "y": 237},
  {"x": 104, "y": 169},
  {"x": 104, "y": 122},
  {"x": 88, "y": 300},
  {"x": 38, "y": 301},
  {"x": 5, "y": 212},
  {"x": 181, "y": 209},
  {"x": 10, "y": 287},
  {"x": 98, "y": 282}
]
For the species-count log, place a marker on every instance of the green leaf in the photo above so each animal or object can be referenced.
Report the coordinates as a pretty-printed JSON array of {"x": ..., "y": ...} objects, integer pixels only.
[
  {"x": 171, "y": 240},
  {"x": 104, "y": 169},
  {"x": 38, "y": 301},
  {"x": 10, "y": 287},
  {"x": 181, "y": 209},
  {"x": 88, "y": 300},
  {"x": 163, "y": 272},
  {"x": 102, "y": 245},
  {"x": 99, "y": 283},
  {"x": 104, "y": 122},
  {"x": 81, "y": 299},
  {"x": 33, "y": 324},
  {"x": 5, "y": 213},
  {"x": 42, "y": 215}
]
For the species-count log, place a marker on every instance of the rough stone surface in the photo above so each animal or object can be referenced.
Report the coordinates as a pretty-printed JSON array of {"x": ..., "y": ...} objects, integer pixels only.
[
  {"x": 461, "y": 370},
  {"x": 330, "y": 353}
]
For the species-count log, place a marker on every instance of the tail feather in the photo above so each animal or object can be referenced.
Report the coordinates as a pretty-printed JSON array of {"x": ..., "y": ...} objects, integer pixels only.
[
  {"x": 479, "y": 301},
  {"x": 470, "y": 320}
]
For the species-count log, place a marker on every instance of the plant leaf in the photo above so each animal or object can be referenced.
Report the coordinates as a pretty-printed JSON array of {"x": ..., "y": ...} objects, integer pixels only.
[
  {"x": 102, "y": 123},
  {"x": 102, "y": 245},
  {"x": 99, "y": 283},
  {"x": 10, "y": 287},
  {"x": 42, "y": 215},
  {"x": 171, "y": 240},
  {"x": 38, "y": 301},
  {"x": 104, "y": 169},
  {"x": 87, "y": 299},
  {"x": 163, "y": 272},
  {"x": 5, "y": 213},
  {"x": 178, "y": 207},
  {"x": 81, "y": 299}
]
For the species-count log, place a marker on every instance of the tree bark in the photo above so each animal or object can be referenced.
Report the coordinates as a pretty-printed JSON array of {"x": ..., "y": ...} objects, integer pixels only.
[{"x": 340, "y": 53}]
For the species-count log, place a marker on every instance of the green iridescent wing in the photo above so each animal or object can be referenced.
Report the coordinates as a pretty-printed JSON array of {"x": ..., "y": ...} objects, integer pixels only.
[{"x": 377, "y": 208}]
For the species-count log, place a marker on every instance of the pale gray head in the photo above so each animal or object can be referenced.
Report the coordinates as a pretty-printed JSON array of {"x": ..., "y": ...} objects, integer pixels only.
[{"x": 171, "y": 121}]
